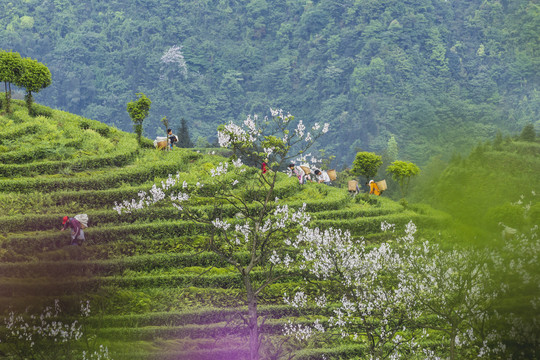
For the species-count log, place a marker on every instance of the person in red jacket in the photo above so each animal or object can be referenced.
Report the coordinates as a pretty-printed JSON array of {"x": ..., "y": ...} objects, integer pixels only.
[{"x": 77, "y": 233}]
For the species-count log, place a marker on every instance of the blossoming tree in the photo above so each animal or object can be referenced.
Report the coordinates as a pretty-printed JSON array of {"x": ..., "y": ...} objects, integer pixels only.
[
  {"x": 394, "y": 295},
  {"x": 366, "y": 290},
  {"x": 261, "y": 226}
]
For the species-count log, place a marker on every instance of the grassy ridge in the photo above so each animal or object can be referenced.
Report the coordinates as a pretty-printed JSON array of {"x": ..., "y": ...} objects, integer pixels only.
[{"x": 154, "y": 285}]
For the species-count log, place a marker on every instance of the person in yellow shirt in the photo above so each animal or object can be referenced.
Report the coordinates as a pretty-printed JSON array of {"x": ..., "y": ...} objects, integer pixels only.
[{"x": 373, "y": 188}]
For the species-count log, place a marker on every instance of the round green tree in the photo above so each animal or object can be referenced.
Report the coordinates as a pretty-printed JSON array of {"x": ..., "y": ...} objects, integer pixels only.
[
  {"x": 138, "y": 111},
  {"x": 366, "y": 164},
  {"x": 402, "y": 172},
  {"x": 11, "y": 67},
  {"x": 34, "y": 77}
]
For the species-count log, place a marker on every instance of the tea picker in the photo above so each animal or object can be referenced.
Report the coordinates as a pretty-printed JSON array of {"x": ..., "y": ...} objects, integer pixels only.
[{"x": 77, "y": 224}]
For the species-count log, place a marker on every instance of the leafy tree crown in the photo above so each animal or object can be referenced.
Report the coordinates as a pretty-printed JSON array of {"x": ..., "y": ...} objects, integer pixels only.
[{"x": 366, "y": 164}]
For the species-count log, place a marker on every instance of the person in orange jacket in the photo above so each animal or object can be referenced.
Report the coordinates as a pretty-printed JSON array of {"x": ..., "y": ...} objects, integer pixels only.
[{"x": 373, "y": 188}]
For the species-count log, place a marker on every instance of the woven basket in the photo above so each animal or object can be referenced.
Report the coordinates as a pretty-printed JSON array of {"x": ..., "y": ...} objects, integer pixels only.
[
  {"x": 161, "y": 144},
  {"x": 306, "y": 170},
  {"x": 353, "y": 184},
  {"x": 381, "y": 185},
  {"x": 332, "y": 174}
]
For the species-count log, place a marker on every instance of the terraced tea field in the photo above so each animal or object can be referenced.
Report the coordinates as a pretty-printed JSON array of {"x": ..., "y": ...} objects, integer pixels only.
[{"x": 155, "y": 290}]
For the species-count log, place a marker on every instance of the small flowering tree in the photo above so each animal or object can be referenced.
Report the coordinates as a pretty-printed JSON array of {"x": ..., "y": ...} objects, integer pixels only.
[
  {"x": 367, "y": 291},
  {"x": 173, "y": 60},
  {"x": 46, "y": 336},
  {"x": 383, "y": 296},
  {"x": 262, "y": 226}
]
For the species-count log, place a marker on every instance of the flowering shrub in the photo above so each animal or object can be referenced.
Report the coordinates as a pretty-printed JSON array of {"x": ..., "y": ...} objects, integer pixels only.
[{"x": 46, "y": 336}]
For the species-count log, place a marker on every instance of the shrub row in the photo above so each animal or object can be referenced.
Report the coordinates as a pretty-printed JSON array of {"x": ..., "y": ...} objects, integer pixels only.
[
  {"x": 232, "y": 352},
  {"x": 133, "y": 176},
  {"x": 99, "y": 127},
  {"x": 116, "y": 266},
  {"x": 43, "y": 222},
  {"x": 356, "y": 351},
  {"x": 200, "y": 316},
  {"x": 18, "y": 132},
  {"x": 53, "y": 287},
  {"x": 25, "y": 244},
  {"x": 338, "y": 352},
  {"x": 54, "y": 167},
  {"x": 27, "y": 155},
  {"x": 353, "y": 213},
  {"x": 370, "y": 225},
  {"x": 107, "y": 198},
  {"x": 192, "y": 331}
]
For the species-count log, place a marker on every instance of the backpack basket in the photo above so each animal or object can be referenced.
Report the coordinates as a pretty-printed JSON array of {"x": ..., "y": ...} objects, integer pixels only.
[
  {"x": 306, "y": 170},
  {"x": 332, "y": 174},
  {"x": 83, "y": 219},
  {"x": 381, "y": 185}
]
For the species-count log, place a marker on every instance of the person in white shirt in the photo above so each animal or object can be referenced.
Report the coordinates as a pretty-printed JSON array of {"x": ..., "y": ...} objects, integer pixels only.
[{"x": 323, "y": 177}]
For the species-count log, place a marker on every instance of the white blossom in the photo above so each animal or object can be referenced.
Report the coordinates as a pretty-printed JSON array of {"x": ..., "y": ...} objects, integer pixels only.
[{"x": 221, "y": 224}]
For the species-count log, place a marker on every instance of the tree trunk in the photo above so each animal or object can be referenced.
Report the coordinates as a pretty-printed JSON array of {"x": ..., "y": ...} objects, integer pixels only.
[
  {"x": 8, "y": 97},
  {"x": 29, "y": 99},
  {"x": 453, "y": 343},
  {"x": 252, "y": 320}
]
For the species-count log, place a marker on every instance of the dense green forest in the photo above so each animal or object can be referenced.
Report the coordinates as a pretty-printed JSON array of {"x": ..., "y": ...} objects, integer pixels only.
[{"x": 438, "y": 75}]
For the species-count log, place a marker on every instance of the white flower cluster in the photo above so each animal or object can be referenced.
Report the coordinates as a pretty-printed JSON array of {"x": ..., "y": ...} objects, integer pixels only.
[
  {"x": 268, "y": 151},
  {"x": 278, "y": 113},
  {"x": 385, "y": 226},
  {"x": 174, "y": 56},
  {"x": 220, "y": 169},
  {"x": 101, "y": 354},
  {"x": 300, "y": 128},
  {"x": 424, "y": 278},
  {"x": 251, "y": 125},
  {"x": 85, "y": 308},
  {"x": 154, "y": 195},
  {"x": 298, "y": 301},
  {"x": 233, "y": 133},
  {"x": 31, "y": 335},
  {"x": 237, "y": 163},
  {"x": 299, "y": 331},
  {"x": 326, "y": 127},
  {"x": 221, "y": 224},
  {"x": 284, "y": 217},
  {"x": 243, "y": 230}
]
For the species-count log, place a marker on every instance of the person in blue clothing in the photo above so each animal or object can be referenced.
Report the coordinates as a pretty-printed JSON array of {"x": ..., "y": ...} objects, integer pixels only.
[
  {"x": 172, "y": 138},
  {"x": 77, "y": 233}
]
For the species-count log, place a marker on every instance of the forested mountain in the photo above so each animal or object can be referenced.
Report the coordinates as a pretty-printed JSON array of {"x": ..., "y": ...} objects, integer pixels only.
[{"x": 438, "y": 75}]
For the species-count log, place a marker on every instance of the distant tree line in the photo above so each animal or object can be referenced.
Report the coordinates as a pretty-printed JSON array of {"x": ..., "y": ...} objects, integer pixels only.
[{"x": 437, "y": 75}]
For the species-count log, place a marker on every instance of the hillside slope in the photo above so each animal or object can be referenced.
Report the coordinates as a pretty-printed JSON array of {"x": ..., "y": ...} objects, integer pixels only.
[
  {"x": 155, "y": 292},
  {"x": 488, "y": 187}
]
